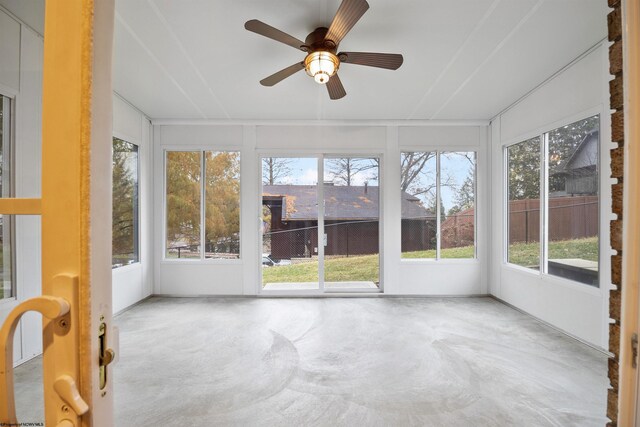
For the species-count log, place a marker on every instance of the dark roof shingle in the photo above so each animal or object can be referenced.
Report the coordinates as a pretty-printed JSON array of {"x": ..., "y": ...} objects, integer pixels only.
[{"x": 356, "y": 202}]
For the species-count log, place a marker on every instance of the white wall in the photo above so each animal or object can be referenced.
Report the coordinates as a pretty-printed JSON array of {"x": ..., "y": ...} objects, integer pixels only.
[
  {"x": 241, "y": 277},
  {"x": 579, "y": 91},
  {"x": 133, "y": 283},
  {"x": 21, "y": 50}
]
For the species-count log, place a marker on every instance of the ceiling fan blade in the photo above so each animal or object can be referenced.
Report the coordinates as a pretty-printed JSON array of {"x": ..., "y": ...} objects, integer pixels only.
[
  {"x": 268, "y": 31},
  {"x": 390, "y": 61},
  {"x": 349, "y": 12},
  {"x": 282, "y": 74},
  {"x": 335, "y": 88}
]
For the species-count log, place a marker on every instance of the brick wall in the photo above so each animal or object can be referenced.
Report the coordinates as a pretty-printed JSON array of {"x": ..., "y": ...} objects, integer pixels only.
[{"x": 617, "y": 168}]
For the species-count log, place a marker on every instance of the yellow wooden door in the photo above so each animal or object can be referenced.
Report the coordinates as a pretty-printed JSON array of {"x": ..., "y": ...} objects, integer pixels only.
[{"x": 76, "y": 221}]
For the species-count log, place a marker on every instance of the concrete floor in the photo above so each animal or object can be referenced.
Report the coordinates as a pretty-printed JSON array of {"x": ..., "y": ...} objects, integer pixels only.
[{"x": 344, "y": 361}]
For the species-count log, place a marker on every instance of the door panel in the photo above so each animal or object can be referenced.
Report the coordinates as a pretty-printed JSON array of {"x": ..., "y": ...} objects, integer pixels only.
[
  {"x": 289, "y": 214},
  {"x": 351, "y": 223},
  {"x": 75, "y": 206}
]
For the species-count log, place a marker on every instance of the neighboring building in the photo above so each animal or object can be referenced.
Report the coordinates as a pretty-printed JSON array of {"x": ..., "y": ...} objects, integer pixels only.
[
  {"x": 419, "y": 226},
  {"x": 351, "y": 220},
  {"x": 580, "y": 170}
]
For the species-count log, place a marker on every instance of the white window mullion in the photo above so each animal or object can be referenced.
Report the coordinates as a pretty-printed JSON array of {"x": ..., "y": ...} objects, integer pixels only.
[
  {"x": 7, "y": 284},
  {"x": 165, "y": 205},
  {"x": 438, "y": 207},
  {"x": 203, "y": 176},
  {"x": 505, "y": 205},
  {"x": 321, "y": 230},
  {"x": 544, "y": 202}
]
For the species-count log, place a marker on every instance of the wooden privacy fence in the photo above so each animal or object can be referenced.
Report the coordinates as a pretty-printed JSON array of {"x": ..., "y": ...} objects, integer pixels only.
[
  {"x": 571, "y": 217},
  {"x": 458, "y": 230},
  {"x": 524, "y": 221}
]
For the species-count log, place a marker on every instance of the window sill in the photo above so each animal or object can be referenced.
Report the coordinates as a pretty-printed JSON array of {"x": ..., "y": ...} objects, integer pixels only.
[
  {"x": 441, "y": 261},
  {"x": 127, "y": 267},
  {"x": 239, "y": 261},
  {"x": 7, "y": 301},
  {"x": 556, "y": 280},
  {"x": 521, "y": 269}
]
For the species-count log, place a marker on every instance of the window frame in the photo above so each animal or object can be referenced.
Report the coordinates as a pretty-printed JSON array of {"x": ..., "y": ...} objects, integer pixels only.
[
  {"x": 543, "y": 134},
  {"x": 8, "y": 126},
  {"x": 139, "y": 206},
  {"x": 202, "y": 259},
  {"x": 439, "y": 152},
  {"x": 505, "y": 203}
]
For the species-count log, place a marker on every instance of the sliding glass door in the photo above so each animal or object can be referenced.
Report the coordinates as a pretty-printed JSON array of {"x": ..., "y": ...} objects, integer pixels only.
[
  {"x": 351, "y": 223},
  {"x": 289, "y": 224},
  {"x": 316, "y": 247}
]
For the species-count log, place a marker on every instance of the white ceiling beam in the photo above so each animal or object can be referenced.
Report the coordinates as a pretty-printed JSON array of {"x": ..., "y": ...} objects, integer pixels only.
[{"x": 239, "y": 122}]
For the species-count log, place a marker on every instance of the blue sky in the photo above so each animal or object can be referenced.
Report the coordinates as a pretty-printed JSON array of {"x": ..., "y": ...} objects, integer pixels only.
[
  {"x": 304, "y": 171},
  {"x": 456, "y": 167}
]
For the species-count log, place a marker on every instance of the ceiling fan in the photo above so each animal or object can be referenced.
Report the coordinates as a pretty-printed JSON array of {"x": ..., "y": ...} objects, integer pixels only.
[{"x": 322, "y": 61}]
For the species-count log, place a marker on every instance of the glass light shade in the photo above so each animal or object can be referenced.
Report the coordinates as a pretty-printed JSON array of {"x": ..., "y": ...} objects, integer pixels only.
[{"x": 321, "y": 65}]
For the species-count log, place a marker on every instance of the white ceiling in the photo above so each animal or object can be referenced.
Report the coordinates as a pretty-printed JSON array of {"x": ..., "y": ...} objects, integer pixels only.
[
  {"x": 463, "y": 59},
  {"x": 31, "y": 12}
]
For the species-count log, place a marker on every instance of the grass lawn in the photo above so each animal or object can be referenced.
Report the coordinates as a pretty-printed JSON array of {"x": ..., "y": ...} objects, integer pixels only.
[
  {"x": 353, "y": 268},
  {"x": 463, "y": 252},
  {"x": 528, "y": 254},
  {"x": 366, "y": 267}
]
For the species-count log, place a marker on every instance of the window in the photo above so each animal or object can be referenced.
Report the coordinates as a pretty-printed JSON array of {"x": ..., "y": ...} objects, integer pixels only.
[
  {"x": 458, "y": 200},
  {"x": 184, "y": 193},
  {"x": 202, "y": 204},
  {"x": 572, "y": 212},
  {"x": 125, "y": 199},
  {"x": 222, "y": 204},
  {"x": 523, "y": 166},
  {"x": 438, "y": 204},
  {"x": 6, "y": 221},
  {"x": 568, "y": 193}
]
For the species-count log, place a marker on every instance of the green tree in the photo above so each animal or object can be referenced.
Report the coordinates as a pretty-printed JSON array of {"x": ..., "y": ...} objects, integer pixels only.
[
  {"x": 524, "y": 170},
  {"x": 183, "y": 175},
  {"x": 221, "y": 199},
  {"x": 464, "y": 198},
  {"x": 222, "y": 208},
  {"x": 124, "y": 202},
  {"x": 432, "y": 205}
]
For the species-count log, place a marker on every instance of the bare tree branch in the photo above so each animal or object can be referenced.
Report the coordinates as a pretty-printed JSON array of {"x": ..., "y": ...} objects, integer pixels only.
[
  {"x": 346, "y": 170},
  {"x": 274, "y": 169}
]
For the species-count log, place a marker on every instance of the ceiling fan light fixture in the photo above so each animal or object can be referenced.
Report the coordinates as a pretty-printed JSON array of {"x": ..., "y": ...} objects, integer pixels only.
[
  {"x": 321, "y": 65},
  {"x": 321, "y": 49}
]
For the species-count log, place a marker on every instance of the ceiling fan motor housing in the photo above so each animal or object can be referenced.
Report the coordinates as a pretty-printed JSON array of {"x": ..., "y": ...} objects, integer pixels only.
[
  {"x": 321, "y": 62},
  {"x": 316, "y": 41}
]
